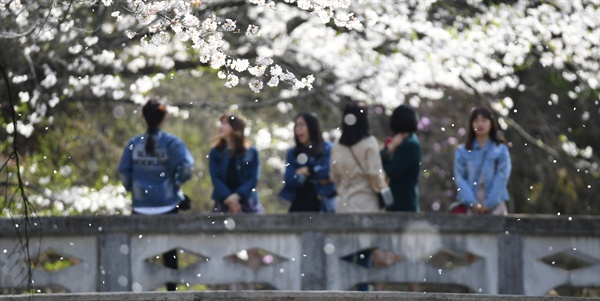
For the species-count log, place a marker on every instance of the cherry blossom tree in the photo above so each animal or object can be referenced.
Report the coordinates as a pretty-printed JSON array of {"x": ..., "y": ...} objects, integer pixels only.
[{"x": 288, "y": 52}]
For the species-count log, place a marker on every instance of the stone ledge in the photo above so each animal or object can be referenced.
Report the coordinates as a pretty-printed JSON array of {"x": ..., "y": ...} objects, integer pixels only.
[
  {"x": 550, "y": 225},
  {"x": 276, "y": 296}
]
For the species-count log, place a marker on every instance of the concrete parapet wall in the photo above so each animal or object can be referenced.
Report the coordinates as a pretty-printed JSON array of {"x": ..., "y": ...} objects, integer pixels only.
[
  {"x": 499, "y": 255},
  {"x": 543, "y": 225}
]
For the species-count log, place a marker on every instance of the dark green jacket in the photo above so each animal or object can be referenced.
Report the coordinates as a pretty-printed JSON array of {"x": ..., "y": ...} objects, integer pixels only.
[{"x": 403, "y": 168}]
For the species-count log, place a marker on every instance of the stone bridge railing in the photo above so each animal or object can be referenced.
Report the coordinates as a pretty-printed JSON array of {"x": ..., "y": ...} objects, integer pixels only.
[{"x": 523, "y": 255}]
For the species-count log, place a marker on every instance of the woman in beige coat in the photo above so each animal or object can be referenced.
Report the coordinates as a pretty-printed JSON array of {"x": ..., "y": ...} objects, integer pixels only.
[
  {"x": 356, "y": 171},
  {"x": 355, "y": 167}
]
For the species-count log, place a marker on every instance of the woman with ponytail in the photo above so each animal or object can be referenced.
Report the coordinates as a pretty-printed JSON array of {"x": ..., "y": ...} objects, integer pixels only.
[
  {"x": 155, "y": 164},
  {"x": 153, "y": 167}
]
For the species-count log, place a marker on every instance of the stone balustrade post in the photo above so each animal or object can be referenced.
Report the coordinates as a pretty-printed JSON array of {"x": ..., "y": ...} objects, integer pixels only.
[
  {"x": 313, "y": 261},
  {"x": 114, "y": 262},
  {"x": 510, "y": 264}
]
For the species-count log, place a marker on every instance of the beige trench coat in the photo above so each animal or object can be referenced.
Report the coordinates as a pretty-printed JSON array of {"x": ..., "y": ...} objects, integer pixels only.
[{"x": 357, "y": 188}]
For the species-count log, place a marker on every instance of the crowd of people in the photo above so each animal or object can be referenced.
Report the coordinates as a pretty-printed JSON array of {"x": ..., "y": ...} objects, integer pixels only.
[{"x": 351, "y": 175}]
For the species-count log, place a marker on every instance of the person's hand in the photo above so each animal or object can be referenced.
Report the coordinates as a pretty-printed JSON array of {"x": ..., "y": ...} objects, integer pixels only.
[
  {"x": 303, "y": 171},
  {"x": 233, "y": 203},
  {"x": 387, "y": 141},
  {"x": 396, "y": 140},
  {"x": 480, "y": 209}
]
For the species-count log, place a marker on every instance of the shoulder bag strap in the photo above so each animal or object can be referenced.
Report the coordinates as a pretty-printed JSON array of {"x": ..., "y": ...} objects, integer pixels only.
[
  {"x": 374, "y": 187},
  {"x": 356, "y": 159}
]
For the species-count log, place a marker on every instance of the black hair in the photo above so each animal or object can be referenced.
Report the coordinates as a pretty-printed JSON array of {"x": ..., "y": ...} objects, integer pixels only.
[
  {"x": 154, "y": 113},
  {"x": 314, "y": 131},
  {"x": 403, "y": 120},
  {"x": 493, "y": 134},
  {"x": 355, "y": 123}
]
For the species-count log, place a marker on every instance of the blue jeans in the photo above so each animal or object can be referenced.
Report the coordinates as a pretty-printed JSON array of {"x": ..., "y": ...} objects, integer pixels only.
[{"x": 328, "y": 204}]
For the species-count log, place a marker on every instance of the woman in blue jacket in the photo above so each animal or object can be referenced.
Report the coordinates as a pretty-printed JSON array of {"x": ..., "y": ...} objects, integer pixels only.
[
  {"x": 307, "y": 183},
  {"x": 482, "y": 166},
  {"x": 234, "y": 168},
  {"x": 153, "y": 167}
]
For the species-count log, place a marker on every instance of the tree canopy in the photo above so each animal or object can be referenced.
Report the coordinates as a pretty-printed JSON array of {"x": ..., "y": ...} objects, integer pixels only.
[{"x": 536, "y": 63}]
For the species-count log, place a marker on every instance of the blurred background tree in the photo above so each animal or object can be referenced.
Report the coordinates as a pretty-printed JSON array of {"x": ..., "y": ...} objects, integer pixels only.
[{"x": 81, "y": 71}]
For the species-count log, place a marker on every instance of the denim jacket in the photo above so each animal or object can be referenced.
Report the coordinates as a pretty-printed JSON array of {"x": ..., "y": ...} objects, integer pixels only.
[
  {"x": 495, "y": 169},
  {"x": 154, "y": 180},
  {"x": 319, "y": 167},
  {"x": 248, "y": 167}
]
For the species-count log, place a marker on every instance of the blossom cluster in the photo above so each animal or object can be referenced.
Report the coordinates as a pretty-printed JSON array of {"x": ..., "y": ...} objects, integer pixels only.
[
  {"x": 389, "y": 51},
  {"x": 109, "y": 199},
  {"x": 404, "y": 52},
  {"x": 207, "y": 38},
  {"x": 160, "y": 35}
]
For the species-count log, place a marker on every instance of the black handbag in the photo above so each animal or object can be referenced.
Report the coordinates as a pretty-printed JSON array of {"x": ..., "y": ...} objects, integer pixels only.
[{"x": 185, "y": 204}]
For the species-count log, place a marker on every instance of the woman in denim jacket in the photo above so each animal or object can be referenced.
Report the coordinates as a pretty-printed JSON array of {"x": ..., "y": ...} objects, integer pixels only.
[
  {"x": 153, "y": 167},
  {"x": 234, "y": 168},
  {"x": 482, "y": 166},
  {"x": 307, "y": 184},
  {"x": 155, "y": 164}
]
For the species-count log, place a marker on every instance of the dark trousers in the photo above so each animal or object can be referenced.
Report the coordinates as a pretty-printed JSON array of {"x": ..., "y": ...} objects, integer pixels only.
[
  {"x": 169, "y": 257},
  {"x": 306, "y": 199},
  {"x": 365, "y": 261},
  {"x": 170, "y": 261}
]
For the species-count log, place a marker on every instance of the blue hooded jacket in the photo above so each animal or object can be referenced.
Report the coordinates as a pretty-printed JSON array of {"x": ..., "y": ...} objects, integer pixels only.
[
  {"x": 495, "y": 163},
  {"x": 319, "y": 168},
  {"x": 155, "y": 179}
]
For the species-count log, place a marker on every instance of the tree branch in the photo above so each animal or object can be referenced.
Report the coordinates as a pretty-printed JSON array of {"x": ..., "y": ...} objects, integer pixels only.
[
  {"x": 244, "y": 106},
  {"x": 530, "y": 139},
  {"x": 10, "y": 35},
  {"x": 24, "y": 243}
]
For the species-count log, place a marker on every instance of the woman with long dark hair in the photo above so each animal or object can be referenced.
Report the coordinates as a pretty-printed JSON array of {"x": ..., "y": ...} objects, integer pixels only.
[
  {"x": 356, "y": 167},
  {"x": 153, "y": 167},
  {"x": 234, "y": 168},
  {"x": 307, "y": 183},
  {"x": 482, "y": 166},
  {"x": 356, "y": 170}
]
